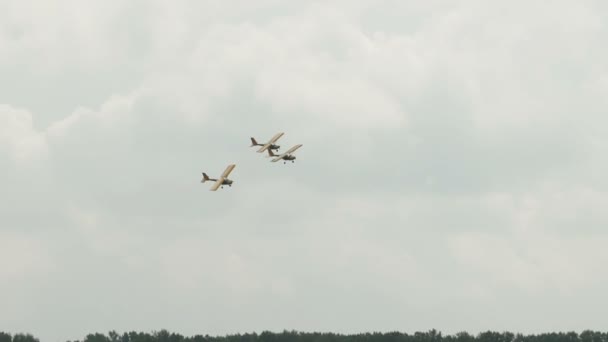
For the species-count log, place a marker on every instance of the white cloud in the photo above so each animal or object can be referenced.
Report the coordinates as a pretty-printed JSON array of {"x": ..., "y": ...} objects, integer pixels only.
[
  {"x": 23, "y": 258},
  {"x": 453, "y": 157},
  {"x": 115, "y": 111},
  {"x": 536, "y": 264},
  {"x": 43, "y": 37},
  {"x": 550, "y": 242},
  {"x": 18, "y": 136}
]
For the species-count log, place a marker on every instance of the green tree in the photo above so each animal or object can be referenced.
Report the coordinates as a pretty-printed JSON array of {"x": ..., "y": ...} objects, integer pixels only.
[
  {"x": 592, "y": 336},
  {"x": 113, "y": 336},
  {"x": 97, "y": 337},
  {"x": 24, "y": 338},
  {"x": 5, "y": 337}
]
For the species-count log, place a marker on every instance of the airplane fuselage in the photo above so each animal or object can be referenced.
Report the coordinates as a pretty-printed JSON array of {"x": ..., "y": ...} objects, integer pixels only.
[
  {"x": 271, "y": 147},
  {"x": 274, "y": 147},
  {"x": 288, "y": 158},
  {"x": 224, "y": 182}
]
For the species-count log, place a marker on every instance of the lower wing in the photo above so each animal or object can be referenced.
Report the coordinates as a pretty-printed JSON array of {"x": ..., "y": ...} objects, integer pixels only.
[
  {"x": 263, "y": 148},
  {"x": 217, "y": 184}
]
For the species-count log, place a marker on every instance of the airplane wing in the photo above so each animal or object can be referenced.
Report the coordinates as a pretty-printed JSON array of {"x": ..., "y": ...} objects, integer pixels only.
[
  {"x": 276, "y": 137},
  {"x": 263, "y": 148},
  {"x": 272, "y": 141},
  {"x": 276, "y": 159},
  {"x": 227, "y": 171},
  {"x": 217, "y": 184},
  {"x": 291, "y": 150}
]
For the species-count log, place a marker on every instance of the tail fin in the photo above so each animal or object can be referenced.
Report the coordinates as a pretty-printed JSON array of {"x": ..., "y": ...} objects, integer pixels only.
[
  {"x": 205, "y": 178},
  {"x": 254, "y": 143},
  {"x": 270, "y": 154}
]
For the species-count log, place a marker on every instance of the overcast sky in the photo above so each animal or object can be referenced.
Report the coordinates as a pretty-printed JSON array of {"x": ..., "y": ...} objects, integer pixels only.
[{"x": 453, "y": 173}]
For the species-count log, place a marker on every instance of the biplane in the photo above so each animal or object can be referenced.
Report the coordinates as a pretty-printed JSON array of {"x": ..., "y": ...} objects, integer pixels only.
[
  {"x": 288, "y": 155},
  {"x": 220, "y": 182},
  {"x": 269, "y": 145}
]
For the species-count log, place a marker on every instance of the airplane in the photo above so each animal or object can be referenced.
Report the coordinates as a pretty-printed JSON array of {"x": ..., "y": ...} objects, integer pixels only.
[
  {"x": 285, "y": 156},
  {"x": 223, "y": 180},
  {"x": 268, "y": 145}
]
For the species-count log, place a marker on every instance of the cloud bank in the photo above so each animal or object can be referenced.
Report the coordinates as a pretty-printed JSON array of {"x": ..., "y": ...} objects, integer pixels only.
[{"x": 452, "y": 174}]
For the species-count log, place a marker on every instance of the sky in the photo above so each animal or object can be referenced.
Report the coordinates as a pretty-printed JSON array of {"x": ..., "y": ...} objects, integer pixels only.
[{"x": 452, "y": 174}]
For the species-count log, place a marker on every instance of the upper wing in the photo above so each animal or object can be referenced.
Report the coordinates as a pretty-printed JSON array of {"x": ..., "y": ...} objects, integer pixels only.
[
  {"x": 272, "y": 141},
  {"x": 276, "y": 137},
  {"x": 291, "y": 150},
  {"x": 217, "y": 184},
  {"x": 227, "y": 171}
]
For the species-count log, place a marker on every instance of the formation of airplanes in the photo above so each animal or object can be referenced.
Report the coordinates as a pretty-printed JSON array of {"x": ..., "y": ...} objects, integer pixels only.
[{"x": 268, "y": 146}]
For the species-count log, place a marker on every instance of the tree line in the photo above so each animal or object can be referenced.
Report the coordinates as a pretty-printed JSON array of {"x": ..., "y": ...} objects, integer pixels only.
[{"x": 295, "y": 336}]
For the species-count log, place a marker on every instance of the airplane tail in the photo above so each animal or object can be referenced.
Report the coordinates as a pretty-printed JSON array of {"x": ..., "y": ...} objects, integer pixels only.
[
  {"x": 205, "y": 178},
  {"x": 270, "y": 154},
  {"x": 254, "y": 143}
]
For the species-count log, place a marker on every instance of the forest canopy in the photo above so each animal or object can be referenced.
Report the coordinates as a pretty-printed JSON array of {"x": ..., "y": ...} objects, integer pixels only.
[{"x": 294, "y": 336}]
